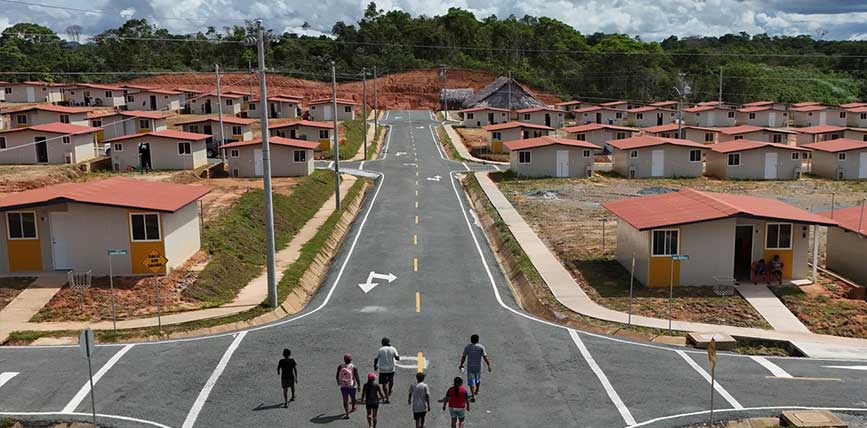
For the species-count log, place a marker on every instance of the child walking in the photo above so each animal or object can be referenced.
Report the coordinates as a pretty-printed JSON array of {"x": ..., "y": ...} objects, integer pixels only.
[
  {"x": 457, "y": 398},
  {"x": 419, "y": 398},
  {"x": 371, "y": 393},
  {"x": 288, "y": 372}
]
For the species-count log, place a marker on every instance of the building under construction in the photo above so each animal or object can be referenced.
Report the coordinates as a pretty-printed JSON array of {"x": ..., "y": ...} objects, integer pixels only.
[{"x": 503, "y": 92}]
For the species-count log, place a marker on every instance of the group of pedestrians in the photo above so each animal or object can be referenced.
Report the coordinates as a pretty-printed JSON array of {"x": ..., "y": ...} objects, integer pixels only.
[{"x": 379, "y": 389}]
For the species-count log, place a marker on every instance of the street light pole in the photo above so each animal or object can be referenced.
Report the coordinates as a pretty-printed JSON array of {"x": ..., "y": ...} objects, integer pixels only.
[
  {"x": 336, "y": 139},
  {"x": 220, "y": 113},
  {"x": 266, "y": 170},
  {"x": 364, "y": 108},
  {"x": 375, "y": 105}
]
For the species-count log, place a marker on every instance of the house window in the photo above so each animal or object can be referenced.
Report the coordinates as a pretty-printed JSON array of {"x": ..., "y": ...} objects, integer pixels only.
[
  {"x": 108, "y": 94},
  {"x": 633, "y": 154},
  {"x": 96, "y": 123},
  {"x": 64, "y": 118},
  {"x": 234, "y": 153},
  {"x": 236, "y": 130},
  {"x": 834, "y": 136},
  {"x": 581, "y": 137},
  {"x": 752, "y": 115},
  {"x": 526, "y": 116},
  {"x": 734, "y": 159},
  {"x": 778, "y": 236},
  {"x": 21, "y": 119},
  {"x": 739, "y": 137},
  {"x": 777, "y": 138},
  {"x": 2, "y": 142},
  {"x": 639, "y": 116},
  {"x": 144, "y": 226},
  {"x": 620, "y": 136},
  {"x": 251, "y": 106},
  {"x": 863, "y": 116},
  {"x": 144, "y": 124},
  {"x": 708, "y": 137},
  {"x": 496, "y": 136},
  {"x": 796, "y": 156},
  {"x": 731, "y": 115},
  {"x": 841, "y": 156},
  {"x": 469, "y": 115},
  {"x": 524, "y": 157},
  {"x": 184, "y": 148},
  {"x": 66, "y": 139},
  {"x": 8, "y": 91},
  {"x": 842, "y": 115},
  {"x": 21, "y": 225},
  {"x": 300, "y": 155},
  {"x": 618, "y": 115},
  {"x": 117, "y": 147},
  {"x": 695, "y": 155},
  {"x": 323, "y": 133},
  {"x": 665, "y": 135},
  {"x": 228, "y": 102},
  {"x": 347, "y": 109},
  {"x": 665, "y": 242},
  {"x": 586, "y": 153},
  {"x": 130, "y": 99},
  {"x": 193, "y": 128}
]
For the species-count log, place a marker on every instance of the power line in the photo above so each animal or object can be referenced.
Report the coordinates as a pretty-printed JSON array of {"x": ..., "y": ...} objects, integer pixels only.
[{"x": 104, "y": 12}]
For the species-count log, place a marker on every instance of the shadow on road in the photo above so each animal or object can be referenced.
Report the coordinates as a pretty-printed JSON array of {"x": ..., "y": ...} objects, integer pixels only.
[
  {"x": 322, "y": 419},
  {"x": 262, "y": 406}
]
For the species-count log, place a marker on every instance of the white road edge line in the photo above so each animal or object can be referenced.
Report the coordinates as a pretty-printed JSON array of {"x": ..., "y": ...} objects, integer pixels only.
[
  {"x": 212, "y": 381},
  {"x": 497, "y": 167},
  {"x": 85, "y": 389},
  {"x": 747, "y": 409},
  {"x": 384, "y": 150},
  {"x": 88, "y": 415},
  {"x": 437, "y": 143},
  {"x": 609, "y": 389},
  {"x": 775, "y": 370},
  {"x": 716, "y": 386},
  {"x": 6, "y": 377},
  {"x": 465, "y": 165},
  {"x": 361, "y": 165}
]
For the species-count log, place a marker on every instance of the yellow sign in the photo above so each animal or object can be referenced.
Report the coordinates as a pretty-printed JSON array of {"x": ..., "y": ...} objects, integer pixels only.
[
  {"x": 711, "y": 353},
  {"x": 154, "y": 261}
]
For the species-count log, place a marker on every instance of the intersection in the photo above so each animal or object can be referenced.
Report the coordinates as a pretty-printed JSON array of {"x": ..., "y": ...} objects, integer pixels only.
[{"x": 437, "y": 282}]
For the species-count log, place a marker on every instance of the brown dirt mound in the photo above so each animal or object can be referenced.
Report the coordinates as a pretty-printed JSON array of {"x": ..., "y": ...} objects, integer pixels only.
[{"x": 412, "y": 89}]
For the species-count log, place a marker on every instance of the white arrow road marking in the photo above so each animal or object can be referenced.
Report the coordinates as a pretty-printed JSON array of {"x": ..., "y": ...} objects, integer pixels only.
[
  {"x": 400, "y": 153},
  {"x": 775, "y": 370},
  {"x": 435, "y": 178},
  {"x": 861, "y": 368},
  {"x": 85, "y": 389},
  {"x": 369, "y": 285},
  {"x": 414, "y": 365},
  {"x": 410, "y": 164},
  {"x": 6, "y": 377}
]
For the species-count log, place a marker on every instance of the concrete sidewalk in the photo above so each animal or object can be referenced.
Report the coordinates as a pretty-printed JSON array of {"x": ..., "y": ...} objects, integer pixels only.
[
  {"x": 771, "y": 308},
  {"x": 252, "y": 295},
  {"x": 458, "y": 142},
  {"x": 32, "y": 299},
  {"x": 568, "y": 292}
]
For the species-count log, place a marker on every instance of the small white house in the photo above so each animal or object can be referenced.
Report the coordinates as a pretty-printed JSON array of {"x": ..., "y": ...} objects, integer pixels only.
[
  {"x": 840, "y": 159},
  {"x": 819, "y": 115},
  {"x": 646, "y": 116},
  {"x": 768, "y": 117},
  {"x": 599, "y": 114},
  {"x": 541, "y": 116},
  {"x": 153, "y": 99},
  {"x": 208, "y": 104},
  {"x": 651, "y": 157},
  {"x": 96, "y": 95},
  {"x": 599, "y": 134},
  {"x": 160, "y": 150},
  {"x": 857, "y": 117},
  {"x": 500, "y": 133},
  {"x": 321, "y": 109},
  {"x": 756, "y": 133},
  {"x": 814, "y": 134},
  {"x": 33, "y": 92},
  {"x": 551, "y": 157},
  {"x": 711, "y": 115},
  {"x": 278, "y": 108},
  {"x": 289, "y": 158},
  {"x": 755, "y": 160},
  {"x": 697, "y": 134},
  {"x": 42, "y": 114},
  {"x": 117, "y": 124},
  {"x": 52, "y": 143},
  {"x": 478, "y": 117}
]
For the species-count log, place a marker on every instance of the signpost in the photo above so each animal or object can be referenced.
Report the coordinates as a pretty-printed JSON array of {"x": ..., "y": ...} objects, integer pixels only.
[
  {"x": 674, "y": 258},
  {"x": 711, "y": 359},
  {"x": 113, "y": 252},
  {"x": 85, "y": 342},
  {"x": 156, "y": 263}
]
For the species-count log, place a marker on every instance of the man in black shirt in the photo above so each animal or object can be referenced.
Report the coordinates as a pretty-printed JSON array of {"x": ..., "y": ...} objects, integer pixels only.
[{"x": 288, "y": 372}]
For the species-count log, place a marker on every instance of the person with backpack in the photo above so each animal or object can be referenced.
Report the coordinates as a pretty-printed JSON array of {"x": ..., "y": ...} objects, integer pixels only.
[
  {"x": 384, "y": 363},
  {"x": 347, "y": 380},
  {"x": 287, "y": 369},
  {"x": 457, "y": 398},
  {"x": 473, "y": 355},
  {"x": 419, "y": 399},
  {"x": 371, "y": 393}
]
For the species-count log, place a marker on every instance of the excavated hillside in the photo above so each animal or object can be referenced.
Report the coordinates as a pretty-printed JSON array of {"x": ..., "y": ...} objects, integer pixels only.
[{"x": 415, "y": 89}]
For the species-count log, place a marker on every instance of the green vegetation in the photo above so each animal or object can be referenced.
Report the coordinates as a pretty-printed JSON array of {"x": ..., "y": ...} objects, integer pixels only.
[
  {"x": 6, "y": 423},
  {"x": 354, "y": 136},
  {"x": 230, "y": 238},
  {"x": 447, "y": 142},
  {"x": 542, "y": 51},
  {"x": 371, "y": 147}
]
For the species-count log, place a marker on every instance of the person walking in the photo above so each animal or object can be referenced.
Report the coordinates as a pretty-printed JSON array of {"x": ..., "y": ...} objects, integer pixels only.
[
  {"x": 371, "y": 393},
  {"x": 457, "y": 398},
  {"x": 347, "y": 380},
  {"x": 473, "y": 355},
  {"x": 384, "y": 363},
  {"x": 288, "y": 371},
  {"x": 419, "y": 399}
]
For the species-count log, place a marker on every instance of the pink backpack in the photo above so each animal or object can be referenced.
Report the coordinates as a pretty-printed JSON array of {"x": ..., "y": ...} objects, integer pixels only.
[{"x": 346, "y": 378}]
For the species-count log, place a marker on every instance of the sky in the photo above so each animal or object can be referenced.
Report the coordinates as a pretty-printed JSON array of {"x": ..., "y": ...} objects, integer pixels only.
[{"x": 647, "y": 19}]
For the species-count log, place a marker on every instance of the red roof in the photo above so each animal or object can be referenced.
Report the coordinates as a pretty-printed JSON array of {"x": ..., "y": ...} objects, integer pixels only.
[
  {"x": 531, "y": 143},
  {"x": 280, "y": 141},
  {"x": 162, "y": 91},
  {"x": 838, "y": 145},
  {"x": 144, "y": 114},
  {"x": 649, "y": 141},
  {"x": 166, "y": 133},
  {"x": 50, "y": 107},
  {"x": 709, "y": 103},
  {"x": 329, "y": 101},
  {"x": 648, "y": 108},
  {"x": 668, "y": 127},
  {"x": 743, "y": 129},
  {"x": 743, "y": 145},
  {"x": 693, "y": 206},
  {"x": 758, "y": 104},
  {"x": 753, "y": 109},
  {"x": 56, "y": 128},
  {"x": 569, "y": 103},
  {"x": 470, "y": 110},
  {"x": 862, "y": 109},
  {"x": 820, "y": 129},
  {"x": 853, "y": 105},
  {"x": 532, "y": 109},
  {"x": 705, "y": 107},
  {"x": 612, "y": 103},
  {"x": 592, "y": 108},
  {"x": 310, "y": 123},
  {"x": 595, "y": 126},
  {"x": 811, "y": 107},
  {"x": 226, "y": 119},
  {"x": 850, "y": 219},
  {"x": 117, "y": 192},
  {"x": 510, "y": 125},
  {"x": 38, "y": 83},
  {"x": 663, "y": 104},
  {"x": 806, "y": 104},
  {"x": 99, "y": 86}
]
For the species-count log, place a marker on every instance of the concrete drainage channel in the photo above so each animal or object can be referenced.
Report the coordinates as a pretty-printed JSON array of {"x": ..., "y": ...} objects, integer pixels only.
[{"x": 795, "y": 418}]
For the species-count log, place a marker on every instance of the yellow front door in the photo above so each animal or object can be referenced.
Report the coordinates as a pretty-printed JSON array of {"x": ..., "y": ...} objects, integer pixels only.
[
  {"x": 325, "y": 145},
  {"x": 25, "y": 255},
  {"x": 496, "y": 146},
  {"x": 661, "y": 271}
]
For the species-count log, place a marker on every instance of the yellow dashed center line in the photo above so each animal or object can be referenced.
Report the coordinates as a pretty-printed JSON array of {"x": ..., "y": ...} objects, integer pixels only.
[
  {"x": 417, "y": 302},
  {"x": 420, "y": 362},
  {"x": 415, "y": 264},
  {"x": 414, "y": 239},
  {"x": 416, "y": 219},
  {"x": 416, "y": 204}
]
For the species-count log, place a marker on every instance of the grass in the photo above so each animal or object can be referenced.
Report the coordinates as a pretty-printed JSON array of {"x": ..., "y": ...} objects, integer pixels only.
[
  {"x": 6, "y": 423},
  {"x": 235, "y": 239},
  {"x": 371, "y": 145},
  {"x": 291, "y": 278},
  {"x": 447, "y": 142},
  {"x": 354, "y": 136}
]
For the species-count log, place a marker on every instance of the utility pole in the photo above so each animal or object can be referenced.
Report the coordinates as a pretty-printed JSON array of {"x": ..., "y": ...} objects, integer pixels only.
[
  {"x": 509, "y": 106},
  {"x": 266, "y": 171},
  {"x": 364, "y": 108},
  {"x": 336, "y": 139},
  {"x": 375, "y": 105},
  {"x": 720, "y": 86},
  {"x": 220, "y": 112},
  {"x": 682, "y": 90}
]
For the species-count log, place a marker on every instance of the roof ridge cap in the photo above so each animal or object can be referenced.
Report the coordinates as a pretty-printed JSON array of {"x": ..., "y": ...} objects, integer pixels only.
[{"x": 700, "y": 196}]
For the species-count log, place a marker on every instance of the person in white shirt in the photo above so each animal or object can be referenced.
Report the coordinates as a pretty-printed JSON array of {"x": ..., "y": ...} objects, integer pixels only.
[{"x": 384, "y": 363}]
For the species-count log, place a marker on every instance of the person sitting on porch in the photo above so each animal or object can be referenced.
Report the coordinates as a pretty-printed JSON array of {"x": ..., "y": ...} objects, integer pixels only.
[
  {"x": 777, "y": 269},
  {"x": 760, "y": 271}
]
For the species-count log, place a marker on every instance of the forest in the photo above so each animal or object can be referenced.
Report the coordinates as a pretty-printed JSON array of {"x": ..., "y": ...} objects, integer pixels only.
[{"x": 541, "y": 51}]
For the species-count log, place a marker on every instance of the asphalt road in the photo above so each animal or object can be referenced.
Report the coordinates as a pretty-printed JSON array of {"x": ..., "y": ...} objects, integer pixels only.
[{"x": 447, "y": 287}]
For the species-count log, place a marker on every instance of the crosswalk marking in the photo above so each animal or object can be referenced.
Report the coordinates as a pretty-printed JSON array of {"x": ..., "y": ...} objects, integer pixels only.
[
  {"x": 612, "y": 394},
  {"x": 775, "y": 370},
  {"x": 6, "y": 377},
  {"x": 82, "y": 393},
  {"x": 716, "y": 386}
]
